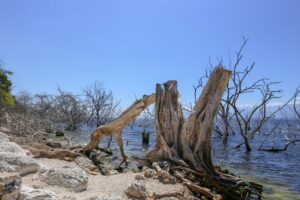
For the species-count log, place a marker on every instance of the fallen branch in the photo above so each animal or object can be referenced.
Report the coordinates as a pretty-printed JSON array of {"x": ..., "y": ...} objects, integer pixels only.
[
  {"x": 55, "y": 154},
  {"x": 162, "y": 175},
  {"x": 155, "y": 196},
  {"x": 196, "y": 188},
  {"x": 274, "y": 149}
]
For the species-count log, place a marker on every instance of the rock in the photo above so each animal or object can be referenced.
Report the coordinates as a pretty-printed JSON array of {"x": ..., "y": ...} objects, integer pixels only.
[
  {"x": 49, "y": 130},
  {"x": 27, "y": 193},
  {"x": 149, "y": 173},
  {"x": 137, "y": 190},
  {"x": 11, "y": 147},
  {"x": 145, "y": 168},
  {"x": 54, "y": 144},
  {"x": 139, "y": 177},
  {"x": 69, "y": 197},
  {"x": 37, "y": 186},
  {"x": 112, "y": 172},
  {"x": 10, "y": 184},
  {"x": 11, "y": 162},
  {"x": 85, "y": 163},
  {"x": 59, "y": 133},
  {"x": 104, "y": 198},
  {"x": 68, "y": 177},
  {"x": 4, "y": 137}
]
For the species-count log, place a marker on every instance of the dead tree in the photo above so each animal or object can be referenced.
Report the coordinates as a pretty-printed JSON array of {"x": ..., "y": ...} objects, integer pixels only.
[
  {"x": 291, "y": 132},
  {"x": 187, "y": 143},
  {"x": 100, "y": 105},
  {"x": 70, "y": 110}
]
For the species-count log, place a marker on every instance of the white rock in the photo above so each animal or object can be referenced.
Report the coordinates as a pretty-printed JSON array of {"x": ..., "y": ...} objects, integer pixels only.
[
  {"x": 68, "y": 177},
  {"x": 4, "y": 137},
  {"x": 11, "y": 162},
  {"x": 11, "y": 147},
  {"x": 27, "y": 193}
]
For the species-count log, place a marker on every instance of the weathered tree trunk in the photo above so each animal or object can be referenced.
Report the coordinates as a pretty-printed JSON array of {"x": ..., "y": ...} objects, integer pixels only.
[
  {"x": 115, "y": 127},
  {"x": 188, "y": 142}
]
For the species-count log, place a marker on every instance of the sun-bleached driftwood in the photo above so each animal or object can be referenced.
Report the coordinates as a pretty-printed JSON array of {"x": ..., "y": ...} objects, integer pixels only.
[
  {"x": 61, "y": 154},
  {"x": 115, "y": 127}
]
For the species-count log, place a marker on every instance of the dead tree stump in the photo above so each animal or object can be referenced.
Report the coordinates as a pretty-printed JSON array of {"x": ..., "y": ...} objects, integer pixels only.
[{"x": 187, "y": 143}]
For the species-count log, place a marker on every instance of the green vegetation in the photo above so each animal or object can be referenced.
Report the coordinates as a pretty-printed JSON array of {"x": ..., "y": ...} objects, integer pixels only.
[{"x": 6, "y": 98}]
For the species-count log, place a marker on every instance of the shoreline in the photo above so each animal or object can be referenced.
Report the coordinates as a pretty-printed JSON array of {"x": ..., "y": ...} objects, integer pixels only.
[{"x": 37, "y": 184}]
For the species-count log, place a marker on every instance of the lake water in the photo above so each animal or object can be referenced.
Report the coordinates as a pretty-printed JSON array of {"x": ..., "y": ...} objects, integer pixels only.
[{"x": 278, "y": 172}]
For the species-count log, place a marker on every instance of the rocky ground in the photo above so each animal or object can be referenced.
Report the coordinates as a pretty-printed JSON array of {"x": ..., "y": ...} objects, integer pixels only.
[{"x": 23, "y": 177}]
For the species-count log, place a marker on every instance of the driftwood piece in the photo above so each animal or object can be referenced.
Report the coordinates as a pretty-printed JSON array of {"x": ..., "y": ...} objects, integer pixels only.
[
  {"x": 155, "y": 196},
  {"x": 115, "y": 127},
  {"x": 57, "y": 154},
  {"x": 196, "y": 188}
]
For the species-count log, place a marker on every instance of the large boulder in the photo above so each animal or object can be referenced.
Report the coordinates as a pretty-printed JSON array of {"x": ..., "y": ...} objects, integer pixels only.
[
  {"x": 12, "y": 162},
  {"x": 11, "y": 147},
  {"x": 28, "y": 193},
  {"x": 68, "y": 177}
]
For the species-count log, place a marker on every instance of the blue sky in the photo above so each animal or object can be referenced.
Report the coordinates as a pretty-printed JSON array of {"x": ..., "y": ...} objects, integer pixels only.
[{"x": 131, "y": 45}]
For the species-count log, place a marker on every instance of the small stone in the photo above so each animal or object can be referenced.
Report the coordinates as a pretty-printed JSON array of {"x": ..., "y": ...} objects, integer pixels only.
[
  {"x": 59, "y": 133},
  {"x": 37, "y": 187},
  {"x": 149, "y": 173},
  {"x": 145, "y": 168},
  {"x": 112, "y": 172},
  {"x": 137, "y": 190},
  {"x": 69, "y": 197},
  {"x": 139, "y": 177},
  {"x": 54, "y": 144},
  {"x": 85, "y": 163},
  {"x": 49, "y": 130}
]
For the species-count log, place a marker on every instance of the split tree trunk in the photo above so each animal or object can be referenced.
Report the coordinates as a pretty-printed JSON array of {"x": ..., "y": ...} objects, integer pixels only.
[{"x": 188, "y": 142}]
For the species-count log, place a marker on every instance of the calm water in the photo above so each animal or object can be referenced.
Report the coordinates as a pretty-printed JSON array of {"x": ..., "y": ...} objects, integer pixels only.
[{"x": 278, "y": 172}]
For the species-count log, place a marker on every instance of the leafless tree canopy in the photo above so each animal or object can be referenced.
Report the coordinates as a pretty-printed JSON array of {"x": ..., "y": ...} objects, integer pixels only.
[
  {"x": 100, "y": 104},
  {"x": 247, "y": 120},
  {"x": 70, "y": 109}
]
